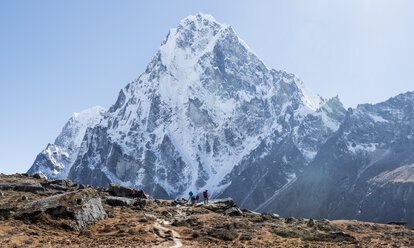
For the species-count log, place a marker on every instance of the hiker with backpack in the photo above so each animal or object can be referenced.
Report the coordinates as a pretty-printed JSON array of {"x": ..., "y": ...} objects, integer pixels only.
[
  {"x": 191, "y": 196},
  {"x": 205, "y": 194},
  {"x": 197, "y": 198}
]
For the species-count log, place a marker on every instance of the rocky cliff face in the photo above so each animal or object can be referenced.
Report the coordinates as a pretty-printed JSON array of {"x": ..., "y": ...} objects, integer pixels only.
[
  {"x": 364, "y": 171},
  {"x": 208, "y": 114}
]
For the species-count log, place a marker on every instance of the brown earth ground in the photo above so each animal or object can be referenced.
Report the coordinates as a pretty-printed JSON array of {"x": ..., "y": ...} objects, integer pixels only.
[{"x": 160, "y": 224}]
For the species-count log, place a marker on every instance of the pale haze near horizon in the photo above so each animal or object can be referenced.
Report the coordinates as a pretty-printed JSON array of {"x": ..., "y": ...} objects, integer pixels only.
[{"x": 61, "y": 57}]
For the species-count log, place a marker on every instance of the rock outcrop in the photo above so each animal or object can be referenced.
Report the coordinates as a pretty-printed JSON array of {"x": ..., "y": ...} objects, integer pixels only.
[{"x": 79, "y": 208}]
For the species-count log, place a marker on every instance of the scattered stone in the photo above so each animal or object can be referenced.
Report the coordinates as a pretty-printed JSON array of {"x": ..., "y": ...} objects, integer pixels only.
[
  {"x": 81, "y": 186},
  {"x": 25, "y": 198},
  {"x": 180, "y": 221},
  {"x": 275, "y": 216},
  {"x": 1, "y": 193},
  {"x": 140, "y": 203},
  {"x": 119, "y": 201},
  {"x": 5, "y": 213},
  {"x": 273, "y": 225},
  {"x": 106, "y": 229},
  {"x": 166, "y": 213},
  {"x": 85, "y": 233},
  {"x": 290, "y": 220},
  {"x": 224, "y": 232},
  {"x": 195, "y": 235},
  {"x": 142, "y": 219},
  {"x": 310, "y": 223},
  {"x": 150, "y": 216},
  {"x": 239, "y": 225},
  {"x": 245, "y": 236}
]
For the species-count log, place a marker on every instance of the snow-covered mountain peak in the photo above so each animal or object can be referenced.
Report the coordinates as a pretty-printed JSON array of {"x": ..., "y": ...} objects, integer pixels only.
[
  {"x": 185, "y": 44},
  {"x": 56, "y": 159},
  {"x": 74, "y": 130}
]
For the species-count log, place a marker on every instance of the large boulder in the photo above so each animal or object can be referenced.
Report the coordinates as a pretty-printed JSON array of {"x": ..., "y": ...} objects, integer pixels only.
[
  {"x": 74, "y": 210},
  {"x": 122, "y": 191},
  {"x": 119, "y": 201},
  {"x": 233, "y": 211},
  {"x": 39, "y": 175},
  {"x": 28, "y": 185},
  {"x": 58, "y": 184},
  {"x": 220, "y": 204}
]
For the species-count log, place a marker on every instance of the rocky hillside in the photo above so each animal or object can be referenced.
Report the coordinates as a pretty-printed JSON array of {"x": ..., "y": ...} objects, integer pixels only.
[{"x": 35, "y": 212}]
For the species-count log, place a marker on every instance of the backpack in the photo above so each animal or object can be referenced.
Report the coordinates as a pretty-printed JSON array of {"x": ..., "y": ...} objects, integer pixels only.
[
  {"x": 197, "y": 197},
  {"x": 205, "y": 194},
  {"x": 191, "y": 193}
]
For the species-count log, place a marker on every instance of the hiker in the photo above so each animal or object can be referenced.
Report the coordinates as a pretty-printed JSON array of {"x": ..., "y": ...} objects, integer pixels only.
[
  {"x": 205, "y": 194},
  {"x": 197, "y": 198},
  {"x": 191, "y": 195}
]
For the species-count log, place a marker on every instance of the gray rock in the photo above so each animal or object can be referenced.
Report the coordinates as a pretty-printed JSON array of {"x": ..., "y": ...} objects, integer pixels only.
[
  {"x": 119, "y": 201},
  {"x": 57, "y": 187},
  {"x": 225, "y": 232},
  {"x": 1, "y": 193},
  {"x": 66, "y": 183},
  {"x": 25, "y": 198},
  {"x": 310, "y": 223},
  {"x": 142, "y": 219},
  {"x": 140, "y": 203},
  {"x": 233, "y": 211},
  {"x": 28, "y": 185},
  {"x": 290, "y": 220},
  {"x": 64, "y": 206},
  {"x": 150, "y": 216},
  {"x": 39, "y": 175},
  {"x": 119, "y": 190},
  {"x": 221, "y": 203},
  {"x": 166, "y": 213}
]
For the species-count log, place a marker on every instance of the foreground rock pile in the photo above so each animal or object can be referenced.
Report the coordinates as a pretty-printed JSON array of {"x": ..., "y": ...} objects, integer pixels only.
[{"x": 36, "y": 212}]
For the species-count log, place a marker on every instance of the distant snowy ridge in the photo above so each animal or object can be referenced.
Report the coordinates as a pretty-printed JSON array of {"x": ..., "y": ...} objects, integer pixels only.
[{"x": 55, "y": 161}]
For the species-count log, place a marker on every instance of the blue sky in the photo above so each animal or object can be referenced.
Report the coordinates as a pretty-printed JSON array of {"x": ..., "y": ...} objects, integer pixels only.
[{"x": 59, "y": 57}]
